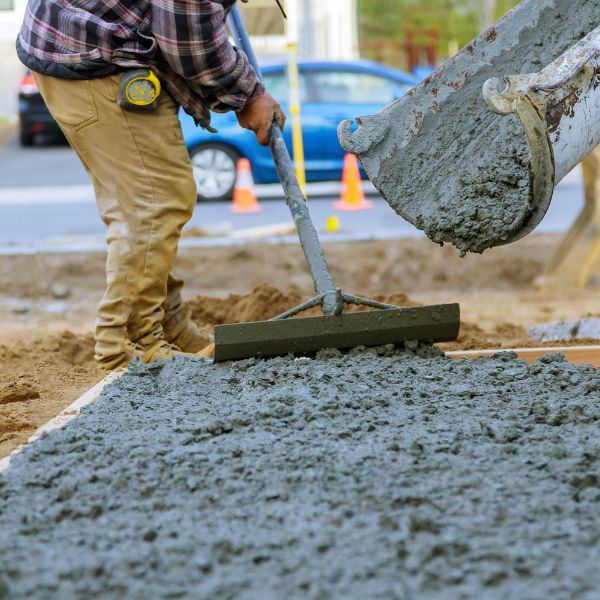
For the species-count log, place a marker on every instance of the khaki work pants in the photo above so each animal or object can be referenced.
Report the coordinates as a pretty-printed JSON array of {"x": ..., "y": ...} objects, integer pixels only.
[{"x": 145, "y": 193}]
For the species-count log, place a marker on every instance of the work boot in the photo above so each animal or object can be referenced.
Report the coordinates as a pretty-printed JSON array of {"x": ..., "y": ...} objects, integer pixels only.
[
  {"x": 120, "y": 361},
  {"x": 154, "y": 346},
  {"x": 191, "y": 339},
  {"x": 207, "y": 352},
  {"x": 160, "y": 350},
  {"x": 182, "y": 333}
]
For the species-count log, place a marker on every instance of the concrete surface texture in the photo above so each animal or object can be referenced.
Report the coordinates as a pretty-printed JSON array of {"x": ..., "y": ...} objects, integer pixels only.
[
  {"x": 375, "y": 474},
  {"x": 442, "y": 158},
  {"x": 580, "y": 329}
]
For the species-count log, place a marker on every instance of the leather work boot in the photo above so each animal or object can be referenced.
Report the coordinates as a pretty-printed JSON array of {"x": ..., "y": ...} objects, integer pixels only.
[
  {"x": 191, "y": 339},
  {"x": 208, "y": 352},
  {"x": 121, "y": 361},
  {"x": 182, "y": 333},
  {"x": 160, "y": 350}
]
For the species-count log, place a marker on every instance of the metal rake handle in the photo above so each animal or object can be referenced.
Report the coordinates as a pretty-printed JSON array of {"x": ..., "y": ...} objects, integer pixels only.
[{"x": 309, "y": 238}]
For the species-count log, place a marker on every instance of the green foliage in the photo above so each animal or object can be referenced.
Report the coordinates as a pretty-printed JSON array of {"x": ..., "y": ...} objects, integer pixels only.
[{"x": 457, "y": 21}]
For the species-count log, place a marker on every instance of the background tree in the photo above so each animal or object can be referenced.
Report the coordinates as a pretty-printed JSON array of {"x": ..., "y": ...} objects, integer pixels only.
[{"x": 384, "y": 24}]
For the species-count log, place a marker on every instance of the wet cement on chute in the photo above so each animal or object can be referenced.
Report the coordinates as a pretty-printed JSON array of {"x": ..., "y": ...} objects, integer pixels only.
[{"x": 441, "y": 158}]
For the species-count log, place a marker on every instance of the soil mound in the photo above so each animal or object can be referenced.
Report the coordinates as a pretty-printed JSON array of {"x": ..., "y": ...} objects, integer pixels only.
[
  {"x": 14, "y": 390},
  {"x": 38, "y": 378},
  {"x": 504, "y": 335},
  {"x": 262, "y": 303},
  {"x": 65, "y": 348},
  {"x": 265, "y": 302}
]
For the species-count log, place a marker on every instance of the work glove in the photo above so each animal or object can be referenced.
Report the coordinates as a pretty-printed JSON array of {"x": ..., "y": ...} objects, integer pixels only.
[{"x": 258, "y": 116}]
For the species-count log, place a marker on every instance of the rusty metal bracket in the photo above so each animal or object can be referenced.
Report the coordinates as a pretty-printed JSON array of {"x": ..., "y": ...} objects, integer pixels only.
[
  {"x": 542, "y": 156},
  {"x": 566, "y": 96},
  {"x": 559, "y": 108}
]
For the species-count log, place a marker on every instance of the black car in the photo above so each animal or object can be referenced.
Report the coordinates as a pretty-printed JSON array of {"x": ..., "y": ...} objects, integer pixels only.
[{"x": 33, "y": 113}]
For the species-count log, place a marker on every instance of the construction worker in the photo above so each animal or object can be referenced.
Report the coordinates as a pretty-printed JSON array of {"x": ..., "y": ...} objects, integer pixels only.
[{"x": 82, "y": 53}]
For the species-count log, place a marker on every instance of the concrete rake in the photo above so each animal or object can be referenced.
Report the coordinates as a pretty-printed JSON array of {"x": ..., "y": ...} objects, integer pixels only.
[{"x": 282, "y": 335}]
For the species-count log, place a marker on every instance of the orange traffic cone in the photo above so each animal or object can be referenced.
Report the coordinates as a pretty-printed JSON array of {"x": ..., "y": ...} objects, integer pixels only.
[
  {"x": 353, "y": 195},
  {"x": 244, "y": 198}
]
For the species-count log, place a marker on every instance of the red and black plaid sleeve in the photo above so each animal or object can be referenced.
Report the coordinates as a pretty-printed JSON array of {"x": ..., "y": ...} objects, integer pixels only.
[
  {"x": 193, "y": 40},
  {"x": 184, "y": 41}
]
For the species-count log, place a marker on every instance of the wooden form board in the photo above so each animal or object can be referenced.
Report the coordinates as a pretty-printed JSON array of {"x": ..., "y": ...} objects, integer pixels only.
[
  {"x": 65, "y": 416},
  {"x": 575, "y": 354}
]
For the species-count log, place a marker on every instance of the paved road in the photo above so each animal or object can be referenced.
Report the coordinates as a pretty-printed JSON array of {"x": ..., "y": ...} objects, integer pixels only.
[{"x": 45, "y": 196}]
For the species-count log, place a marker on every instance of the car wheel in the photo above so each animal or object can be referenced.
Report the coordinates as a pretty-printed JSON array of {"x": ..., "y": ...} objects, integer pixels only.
[
  {"x": 26, "y": 137},
  {"x": 214, "y": 168}
]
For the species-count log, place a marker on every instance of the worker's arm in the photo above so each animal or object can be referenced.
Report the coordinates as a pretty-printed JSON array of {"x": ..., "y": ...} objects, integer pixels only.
[{"x": 194, "y": 42}]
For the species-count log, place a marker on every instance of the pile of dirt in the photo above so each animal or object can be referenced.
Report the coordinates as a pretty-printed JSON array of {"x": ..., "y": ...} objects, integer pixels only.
[
  {"x": 40, "y": 377},
  {"x": 262, "y": 303},
  {"x": 265, "y": 302},
  {"x": 504, "y": 335},
  {"x": 374, "y": 474}
]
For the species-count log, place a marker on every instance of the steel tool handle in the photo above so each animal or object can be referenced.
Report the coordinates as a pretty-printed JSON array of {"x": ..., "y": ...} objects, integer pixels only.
[{"x": 309, "y": 238}]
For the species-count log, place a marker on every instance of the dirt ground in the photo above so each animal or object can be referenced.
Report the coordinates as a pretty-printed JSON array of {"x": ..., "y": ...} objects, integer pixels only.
[{"x": 47, "y": 305}]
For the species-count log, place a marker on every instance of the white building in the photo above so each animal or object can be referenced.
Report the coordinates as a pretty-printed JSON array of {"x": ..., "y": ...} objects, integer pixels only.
[
  {"x": 324, "y": 29},
  {"x": 11, "y": 15},
  {"x": 329, "y": 30}
]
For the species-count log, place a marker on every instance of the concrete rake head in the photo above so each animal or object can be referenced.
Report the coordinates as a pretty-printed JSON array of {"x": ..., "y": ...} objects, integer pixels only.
[{"x": 284, "y": 334}]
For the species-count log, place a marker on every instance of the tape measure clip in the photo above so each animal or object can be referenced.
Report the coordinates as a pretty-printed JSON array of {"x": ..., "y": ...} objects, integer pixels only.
[{"x": 139, "y": 90}]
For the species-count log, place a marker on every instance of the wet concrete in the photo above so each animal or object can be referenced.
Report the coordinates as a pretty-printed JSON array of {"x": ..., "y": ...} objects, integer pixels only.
[
  {"x": 442, "y": 159},
  {"x": 580, "y": 329},
  {"x": 369, "y": 475}
]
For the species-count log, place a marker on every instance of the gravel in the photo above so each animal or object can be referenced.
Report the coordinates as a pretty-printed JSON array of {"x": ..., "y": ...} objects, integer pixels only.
[
  {"x": 581, "y": 329},
  {"x": 374, "y": 474}
]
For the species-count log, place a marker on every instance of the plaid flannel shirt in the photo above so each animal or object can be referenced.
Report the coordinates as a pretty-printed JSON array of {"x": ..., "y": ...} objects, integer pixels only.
[{"x": 184, "y": 42}]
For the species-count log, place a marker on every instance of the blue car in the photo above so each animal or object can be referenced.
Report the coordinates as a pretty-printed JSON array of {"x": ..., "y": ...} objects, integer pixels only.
[{"x": 330, "y": 93}]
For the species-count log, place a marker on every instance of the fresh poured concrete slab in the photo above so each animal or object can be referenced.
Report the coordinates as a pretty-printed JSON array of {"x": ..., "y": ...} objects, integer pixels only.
[{"x": 374, "y": 474}]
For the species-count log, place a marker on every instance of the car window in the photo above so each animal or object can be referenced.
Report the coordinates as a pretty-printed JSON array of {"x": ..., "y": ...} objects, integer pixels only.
[
  {"x": 278, "y": 86},
  {"x": 347, "y": 87}
]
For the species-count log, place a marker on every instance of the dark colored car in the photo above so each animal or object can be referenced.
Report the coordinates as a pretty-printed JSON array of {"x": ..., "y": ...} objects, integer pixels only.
[{"x": 33, "y": 114}]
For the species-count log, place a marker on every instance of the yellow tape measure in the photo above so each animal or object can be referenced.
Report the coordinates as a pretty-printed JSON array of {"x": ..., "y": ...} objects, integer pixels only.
[{"x": 139, "y": 89}]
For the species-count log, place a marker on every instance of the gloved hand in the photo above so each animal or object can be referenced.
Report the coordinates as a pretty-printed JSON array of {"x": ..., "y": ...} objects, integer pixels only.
[{"x": 258, "y": 116}]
